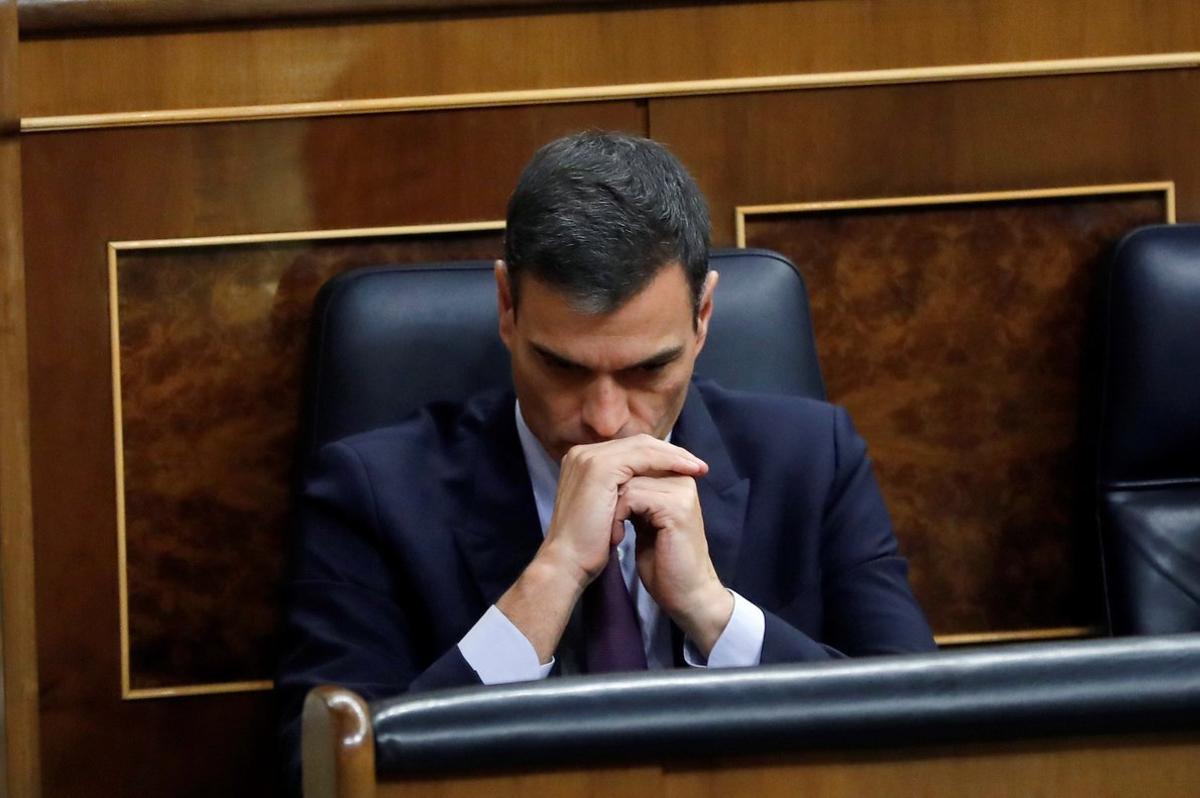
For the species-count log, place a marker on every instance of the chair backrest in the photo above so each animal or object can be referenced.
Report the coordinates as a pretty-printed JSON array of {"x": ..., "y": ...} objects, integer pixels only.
[
  {"x": 390, "y": 339},
  {"x": 1149, "y": 463}
]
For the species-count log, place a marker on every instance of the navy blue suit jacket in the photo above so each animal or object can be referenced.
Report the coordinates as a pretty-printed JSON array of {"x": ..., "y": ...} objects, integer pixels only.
[{"x": 406, "y": 535}]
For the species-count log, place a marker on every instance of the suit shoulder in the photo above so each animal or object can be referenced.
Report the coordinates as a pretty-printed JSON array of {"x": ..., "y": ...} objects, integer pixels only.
[
  {"x": 769, "y": 414},
  {"x": 781, "y": 433}
]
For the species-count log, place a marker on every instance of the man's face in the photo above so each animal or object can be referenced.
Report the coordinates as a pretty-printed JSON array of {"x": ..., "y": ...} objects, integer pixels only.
[{"x": 585, "y": 377}]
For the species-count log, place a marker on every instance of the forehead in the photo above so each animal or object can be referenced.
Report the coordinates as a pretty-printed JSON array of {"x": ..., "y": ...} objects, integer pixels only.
[{"x": 658, "y": 316}]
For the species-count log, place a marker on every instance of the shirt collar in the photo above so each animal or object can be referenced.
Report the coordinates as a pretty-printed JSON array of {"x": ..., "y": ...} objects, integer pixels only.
[{"x": 543, "y": 470}]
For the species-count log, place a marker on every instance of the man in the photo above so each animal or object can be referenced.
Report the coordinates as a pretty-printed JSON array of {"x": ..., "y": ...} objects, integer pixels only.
[{"x": 509, "y": 537}]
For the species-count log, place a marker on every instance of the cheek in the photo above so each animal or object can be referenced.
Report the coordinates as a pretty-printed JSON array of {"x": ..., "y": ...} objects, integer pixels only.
[
  {"x": 553, "y": 405},
  {"x": 657, "y": 408}
]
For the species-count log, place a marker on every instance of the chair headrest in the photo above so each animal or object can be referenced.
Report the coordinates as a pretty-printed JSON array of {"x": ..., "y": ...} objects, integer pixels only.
[
  {"x": 390, "y": 339},
  {"x": 1150, "y": 402}
]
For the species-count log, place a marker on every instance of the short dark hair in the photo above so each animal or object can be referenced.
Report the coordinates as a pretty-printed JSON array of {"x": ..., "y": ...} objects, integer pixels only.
[{"x": 596, "y": 215}]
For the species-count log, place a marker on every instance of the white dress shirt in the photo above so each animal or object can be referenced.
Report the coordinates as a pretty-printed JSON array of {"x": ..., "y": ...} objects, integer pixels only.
[{"x": 499, "y": 652}]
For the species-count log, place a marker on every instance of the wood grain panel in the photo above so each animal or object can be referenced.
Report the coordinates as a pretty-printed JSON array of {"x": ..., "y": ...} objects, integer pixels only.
[
  {"x": 212, "y": 345},
  {"x": 246, "y": 66},
  {"x": 956, "y": 336},
  {"x": 85, "y": 189},
  {"x": 1081, "y": 768},
  {"x": 18, "y": 654},
  {"x": 59, "y": 16},
  {"x": 630, "y": 782},
  {"x": 1151, "y": 765},
  {"x": 937, "y": 139}
]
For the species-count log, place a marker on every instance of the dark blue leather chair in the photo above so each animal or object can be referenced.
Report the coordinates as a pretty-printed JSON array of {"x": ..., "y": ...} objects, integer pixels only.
[{"x": 1149, "y": 458}]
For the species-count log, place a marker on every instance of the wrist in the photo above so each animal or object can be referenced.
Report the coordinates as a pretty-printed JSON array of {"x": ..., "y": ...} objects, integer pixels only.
[
  {"x": 540, "y": 602},
  {"x": 707, "y": 616},
  {"x": 557, "y": 571}
]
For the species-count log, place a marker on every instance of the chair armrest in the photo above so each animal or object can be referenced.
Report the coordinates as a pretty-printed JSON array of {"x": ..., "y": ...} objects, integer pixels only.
[
  {"x": 1028, "y": 691},
  {"x": 339, "y": 747}
]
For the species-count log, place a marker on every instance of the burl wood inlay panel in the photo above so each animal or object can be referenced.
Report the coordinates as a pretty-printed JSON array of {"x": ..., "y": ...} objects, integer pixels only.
[
  {"x": 956, "y": 335},
  {"x": 212, "y": 348}
]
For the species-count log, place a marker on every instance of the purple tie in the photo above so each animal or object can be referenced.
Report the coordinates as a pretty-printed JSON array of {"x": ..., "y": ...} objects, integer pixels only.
[{"x": 610, "y": 622}]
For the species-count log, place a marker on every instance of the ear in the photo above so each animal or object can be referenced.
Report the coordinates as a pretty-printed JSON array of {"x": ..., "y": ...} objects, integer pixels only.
[
  {"x": 504, "y": 303},
  {"x": 704, "y": 313}
]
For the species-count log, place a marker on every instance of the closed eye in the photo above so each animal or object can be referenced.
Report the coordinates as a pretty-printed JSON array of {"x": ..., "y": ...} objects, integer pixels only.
[
  {"x": 659, "y": 362},
  {"x": 560, "y": 363}
]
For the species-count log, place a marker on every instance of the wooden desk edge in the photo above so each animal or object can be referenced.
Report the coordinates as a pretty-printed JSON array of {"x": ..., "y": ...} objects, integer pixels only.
[{"x": 338, "y": 745}]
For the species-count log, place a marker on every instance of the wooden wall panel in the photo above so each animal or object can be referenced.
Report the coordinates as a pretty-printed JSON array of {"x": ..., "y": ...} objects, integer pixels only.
[
  {"x": 212, "y": 343},
  {"x": 18, "y": 654},
  {"x": 248, "y": 66},
  {"x": 89, "y": 188},
  {"x": 949, "y": 138},
  {"x": 1160, "y": 765},
  {"x": 956, "y": 335}
]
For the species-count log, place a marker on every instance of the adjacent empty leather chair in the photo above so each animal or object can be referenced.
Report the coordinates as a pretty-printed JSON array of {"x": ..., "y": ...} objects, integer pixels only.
[
  {"x": 1149, "y": 458},
  {"x": 390, "y": 339}
]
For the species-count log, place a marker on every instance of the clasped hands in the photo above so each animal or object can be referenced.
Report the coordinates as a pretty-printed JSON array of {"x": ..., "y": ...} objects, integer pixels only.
[{"x": 652, "y": 483}]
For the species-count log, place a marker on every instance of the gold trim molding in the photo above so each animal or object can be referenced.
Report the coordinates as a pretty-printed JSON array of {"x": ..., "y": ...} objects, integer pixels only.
[
  {"x": 115, "y": 248},
  {"x": 1018, "y": 636},
  {"x": 1166, "y": 186},
  {"x": 625, "y": 91}
]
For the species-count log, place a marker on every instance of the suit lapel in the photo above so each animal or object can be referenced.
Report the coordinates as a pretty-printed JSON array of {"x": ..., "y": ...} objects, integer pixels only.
[
  {"x": 723, "y": 492},
  {"x": 499, "y": 532}
]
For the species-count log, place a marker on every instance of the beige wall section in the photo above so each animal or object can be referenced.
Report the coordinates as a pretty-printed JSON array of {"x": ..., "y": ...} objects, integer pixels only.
[
  {"x": 294, "y": 63},
  {"x": 19, "y": 655}
]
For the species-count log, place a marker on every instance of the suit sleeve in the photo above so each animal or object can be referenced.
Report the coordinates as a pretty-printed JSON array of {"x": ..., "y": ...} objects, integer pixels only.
[
  {"x": 343, "y": 623},
  {"x": 868, "y": 606}
]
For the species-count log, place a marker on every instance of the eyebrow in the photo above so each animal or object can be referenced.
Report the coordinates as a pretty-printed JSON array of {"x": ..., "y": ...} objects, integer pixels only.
[{"x": 654, "y": 361}]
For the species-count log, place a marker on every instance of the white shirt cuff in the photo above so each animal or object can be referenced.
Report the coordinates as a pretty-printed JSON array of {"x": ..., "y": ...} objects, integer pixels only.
[
  {"x": 740, "y": 644},
  {"x": 497, "y": 650}
]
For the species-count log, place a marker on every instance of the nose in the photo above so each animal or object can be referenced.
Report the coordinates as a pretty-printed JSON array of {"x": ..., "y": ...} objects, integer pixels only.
[{"x": 605, "y": 408}]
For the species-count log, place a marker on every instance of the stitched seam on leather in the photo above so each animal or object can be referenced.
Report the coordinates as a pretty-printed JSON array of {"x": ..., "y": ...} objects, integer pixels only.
[
  {"x": 1147, "y": 484},
  {"x": 1155, "y": 563}
]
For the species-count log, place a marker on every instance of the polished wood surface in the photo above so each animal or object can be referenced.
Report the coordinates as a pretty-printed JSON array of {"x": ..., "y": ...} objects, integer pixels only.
[
  {"x": 931, "y": 139},
  {"x": 250, "y": 66},
  {"x": 18, "y": 654},
  {"x": 1161, "y": 766},
  {"x": 59, "y": 16},
  {"x": 339, "y": 745},
  {"x": 624, "y": 91}
]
